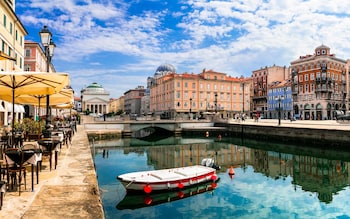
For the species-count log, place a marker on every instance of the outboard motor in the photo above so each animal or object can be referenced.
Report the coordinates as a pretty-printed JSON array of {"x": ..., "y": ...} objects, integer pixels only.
[{"x": 209, "y": 162}]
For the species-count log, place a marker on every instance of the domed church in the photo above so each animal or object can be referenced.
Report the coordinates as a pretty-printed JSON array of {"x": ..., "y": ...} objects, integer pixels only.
[{"x": 95, "y": 99}]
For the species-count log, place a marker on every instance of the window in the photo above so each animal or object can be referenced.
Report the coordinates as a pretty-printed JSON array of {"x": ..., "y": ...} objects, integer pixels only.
[
  {"x": 26, "y": 67},
  {"x": 208, "y": 86},
  {"x": 300, "y": 78},
  {"x": 178, "y": 84},
  {"x": 28, "y": 52},
  {"x": 306, "y": 88},
  {"x": 10, "y": 28},
  {"x": 312, "y": 76},
  {"x": 193, "y": 85},
  {"x": 178, "y": 95},
  {"x": 306, "y": 77},
  {"x": 186, "y": 85},
  {"x": 5, "y": 21}
]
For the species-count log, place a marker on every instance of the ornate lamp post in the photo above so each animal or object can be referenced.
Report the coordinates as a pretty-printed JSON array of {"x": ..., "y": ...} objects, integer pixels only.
[
  {"x": 216, "y": 103},
  {"x": 49, "y": 46},
  {"x": 243, "y": 97},
  {"x": 190, "y": 107},
  {"x": 279, "y": 109}
]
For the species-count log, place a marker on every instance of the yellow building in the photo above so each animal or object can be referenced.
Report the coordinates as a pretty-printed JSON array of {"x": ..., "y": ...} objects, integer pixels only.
[
  {"x": 116, "y": 105},
  {"x": 194, "y": 95},
  {"x": 12, "y": 33},
  {"x": 11, "y": 38}
]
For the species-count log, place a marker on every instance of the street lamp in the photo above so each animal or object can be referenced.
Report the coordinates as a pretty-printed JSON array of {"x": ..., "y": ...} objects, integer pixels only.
[
  {"x": 190, "y": 107},
  {"x": 279, "y": 108},
  {"x": 216, "y": 102},
  {"x": 49, "y": 46},
  {"x": 243, "y": 97}
]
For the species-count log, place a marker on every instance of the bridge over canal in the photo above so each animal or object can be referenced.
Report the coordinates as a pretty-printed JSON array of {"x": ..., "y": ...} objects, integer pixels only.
[{"x": 127, "y": 127}]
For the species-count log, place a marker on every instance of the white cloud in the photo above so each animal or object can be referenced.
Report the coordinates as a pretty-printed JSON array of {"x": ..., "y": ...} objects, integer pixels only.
[{"x": 232, "y": 36}]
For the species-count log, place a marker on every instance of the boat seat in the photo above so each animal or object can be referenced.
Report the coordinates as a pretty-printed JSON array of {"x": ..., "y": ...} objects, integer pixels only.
[{"x": 165, "y": 175}]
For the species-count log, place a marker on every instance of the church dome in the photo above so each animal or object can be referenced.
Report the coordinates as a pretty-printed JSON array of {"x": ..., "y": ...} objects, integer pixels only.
[
  {"x": 94, "y": 88},
  {"x": 94, "y": 85},
  {"x": 164, "y": 69}
]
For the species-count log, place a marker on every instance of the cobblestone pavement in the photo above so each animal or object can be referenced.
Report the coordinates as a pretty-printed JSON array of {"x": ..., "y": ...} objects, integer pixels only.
[{"x": 70, "y": 191}]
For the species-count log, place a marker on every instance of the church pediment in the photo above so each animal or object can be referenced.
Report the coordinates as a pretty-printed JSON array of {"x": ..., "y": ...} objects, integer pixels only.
[{"x": 95, "y": 100}]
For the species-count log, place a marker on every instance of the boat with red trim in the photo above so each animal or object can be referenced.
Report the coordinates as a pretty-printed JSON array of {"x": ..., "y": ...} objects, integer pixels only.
[
  {"x": 132, "y": 201},
  {"x": 169, "y": 179}
]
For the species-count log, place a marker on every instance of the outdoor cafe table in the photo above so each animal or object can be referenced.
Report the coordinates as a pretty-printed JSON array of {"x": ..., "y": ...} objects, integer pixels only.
[
  {"x": 49, "y": 145},
  {"x": 58, "y": 135},
  {"x": 31, "y": 156}
]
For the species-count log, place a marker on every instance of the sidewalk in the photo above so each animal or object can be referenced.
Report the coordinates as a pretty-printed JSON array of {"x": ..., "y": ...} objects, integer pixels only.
[
  {"x": 314, "y": 124},
  {"x": 70, "y": 191}
]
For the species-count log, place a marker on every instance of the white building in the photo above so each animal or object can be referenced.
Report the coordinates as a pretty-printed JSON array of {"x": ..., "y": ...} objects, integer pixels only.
[{"x": 95, "y": 99}]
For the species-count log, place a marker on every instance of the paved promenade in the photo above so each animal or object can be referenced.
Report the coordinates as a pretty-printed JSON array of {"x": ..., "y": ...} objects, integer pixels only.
[
  {"x": 70, "y": 191},
  {"x": 313, "y": 124}
]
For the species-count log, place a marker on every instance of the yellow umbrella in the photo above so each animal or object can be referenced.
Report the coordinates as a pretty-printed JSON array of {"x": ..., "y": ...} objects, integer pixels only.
[
  {"x": 69, "y": 105},
  {"x": 23, "y": 83},
  {"x": 66, "y": 95}
]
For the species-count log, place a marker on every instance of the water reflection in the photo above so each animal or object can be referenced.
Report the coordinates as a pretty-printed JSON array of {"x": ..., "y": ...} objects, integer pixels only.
[
  {"x": 145, "y": 200},
  {"x": 271, "y": 180},
  {"x": 317, "y": 173}
]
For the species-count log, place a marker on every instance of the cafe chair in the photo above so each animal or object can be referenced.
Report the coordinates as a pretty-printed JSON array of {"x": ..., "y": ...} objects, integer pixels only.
[
  {"x": 14, "y": 171},
  {"x": 2, "y": 192}
]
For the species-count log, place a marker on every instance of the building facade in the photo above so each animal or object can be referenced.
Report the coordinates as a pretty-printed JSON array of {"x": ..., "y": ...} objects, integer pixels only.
[
  {"x": 320, "y": 85},
  {"x": 95, "y": 99},
  {"x": 35, "y": 59},
  {"x": 116, "y": 105},
  {"x": 261, "y": 79},
  {"x": 279, "y": 99},
  {"x": 11, "y": 37},
  {"x": 194, "y": 95},
  {"x": 132, "y": 101},
  {"x": 11, "y": 53}
]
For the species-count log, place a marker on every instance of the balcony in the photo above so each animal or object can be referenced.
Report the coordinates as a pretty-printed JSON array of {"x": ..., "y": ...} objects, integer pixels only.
[
  {"x": 324, "y": 89},
  {"x": 323, "y": 80}
]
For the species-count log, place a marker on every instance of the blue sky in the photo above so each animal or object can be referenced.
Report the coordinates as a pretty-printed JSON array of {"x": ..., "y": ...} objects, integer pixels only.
[{"x": 119, "y": 43}]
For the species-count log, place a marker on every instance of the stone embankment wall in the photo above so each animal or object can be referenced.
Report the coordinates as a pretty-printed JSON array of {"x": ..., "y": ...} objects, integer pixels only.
[{"x": 307, "y": 136}]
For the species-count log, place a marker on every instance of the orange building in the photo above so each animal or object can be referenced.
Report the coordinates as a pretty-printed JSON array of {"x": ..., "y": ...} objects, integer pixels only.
[
  {"x": 194, "y": 95},
  {"x": 319, "y": 85},
  {"x": 35, "y": 59}
]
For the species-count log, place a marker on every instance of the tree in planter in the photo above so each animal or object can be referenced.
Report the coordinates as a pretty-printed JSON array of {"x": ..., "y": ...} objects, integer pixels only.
[{"x": 31, "y": 127}]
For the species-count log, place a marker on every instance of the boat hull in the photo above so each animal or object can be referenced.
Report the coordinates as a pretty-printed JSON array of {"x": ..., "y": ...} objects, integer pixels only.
[
  {"x": 167, "y": 179},
  {"x": 131, "y": 201}
]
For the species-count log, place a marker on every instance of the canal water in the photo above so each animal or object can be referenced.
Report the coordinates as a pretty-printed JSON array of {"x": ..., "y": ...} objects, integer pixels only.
[{"x": 270, "y": 181}]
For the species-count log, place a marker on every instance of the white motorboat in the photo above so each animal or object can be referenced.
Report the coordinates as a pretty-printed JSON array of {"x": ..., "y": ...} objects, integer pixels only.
[{"x": 169, "y": 179}]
